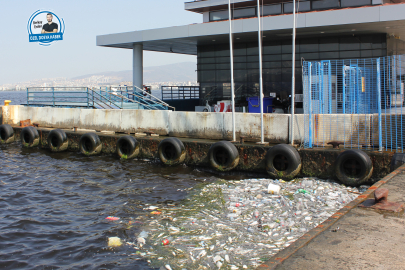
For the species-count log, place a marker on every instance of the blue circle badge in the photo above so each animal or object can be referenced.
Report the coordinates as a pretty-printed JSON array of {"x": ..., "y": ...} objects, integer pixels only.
[{"x": 45, "y": 27}]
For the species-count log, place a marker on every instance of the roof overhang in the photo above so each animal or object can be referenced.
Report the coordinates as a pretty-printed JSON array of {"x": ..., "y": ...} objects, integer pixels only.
[
  {"x": 208, "y": 5},
  {"x": 389, "y": 19}
]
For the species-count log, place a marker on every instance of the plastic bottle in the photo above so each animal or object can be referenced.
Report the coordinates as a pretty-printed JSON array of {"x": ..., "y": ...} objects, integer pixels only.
[{"x": 273, "y": 189}]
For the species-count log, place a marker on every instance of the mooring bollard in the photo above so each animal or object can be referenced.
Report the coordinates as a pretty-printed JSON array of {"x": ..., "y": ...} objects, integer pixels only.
[{"x": 7, "y": 102}]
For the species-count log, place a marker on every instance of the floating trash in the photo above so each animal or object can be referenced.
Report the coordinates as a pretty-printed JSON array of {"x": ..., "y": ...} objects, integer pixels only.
[
  {"x": 114, "y": 242},
  {"x": 238, "y": 224},
  {"x": 112, "y": 218}
]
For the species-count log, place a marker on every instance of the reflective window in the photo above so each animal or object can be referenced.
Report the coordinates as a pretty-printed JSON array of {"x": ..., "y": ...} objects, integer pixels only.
[
  {"x": 354, "y": 3},
  {"x": 270, "y": 10},
  {"x": 324, "y": 4},
  {"x": 244, "y": 12},
  {"x": 219, "y": 15},
  {"x": 299, "y": 6}
]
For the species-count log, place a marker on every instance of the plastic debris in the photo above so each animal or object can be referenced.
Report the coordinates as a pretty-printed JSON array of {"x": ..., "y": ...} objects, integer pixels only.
[
  {"x": 156, "y": 213},
  {"x": 165, "y": 242},
  {"x": 273, "y": 189},
  {"x": 239, "y": 224},
  {"x": 112, "y": 218},
  {"x": 114, "y": 242}
]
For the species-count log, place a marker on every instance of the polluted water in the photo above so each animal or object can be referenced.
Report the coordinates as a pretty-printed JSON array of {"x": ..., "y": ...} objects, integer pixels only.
[{"x": 237, "y": 224}]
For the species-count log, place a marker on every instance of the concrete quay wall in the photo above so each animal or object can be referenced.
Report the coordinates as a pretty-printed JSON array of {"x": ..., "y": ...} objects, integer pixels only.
[{"x": 214, "y": 126}]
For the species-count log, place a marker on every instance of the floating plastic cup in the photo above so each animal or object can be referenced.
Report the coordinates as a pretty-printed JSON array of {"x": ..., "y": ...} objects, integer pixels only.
[{"x": 273, "y": 189}]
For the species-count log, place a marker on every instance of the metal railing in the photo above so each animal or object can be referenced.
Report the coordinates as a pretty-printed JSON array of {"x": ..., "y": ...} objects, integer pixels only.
[
  {"x": 180, "y": 92},
  {"x": 84, "y": 97}
]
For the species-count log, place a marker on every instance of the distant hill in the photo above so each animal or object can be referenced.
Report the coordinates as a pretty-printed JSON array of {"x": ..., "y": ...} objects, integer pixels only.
[{"x": 180, "y": 72}]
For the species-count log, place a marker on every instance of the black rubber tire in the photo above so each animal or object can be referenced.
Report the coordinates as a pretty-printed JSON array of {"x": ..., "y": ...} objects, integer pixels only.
[
  {"x": 57, "y": 140},
  {"x": 360, "y": 171},
  {"x": 6, "y": 133},
  {"x": 171, "y": 151},
  {"x": 223, "y": 156},
  {"x": 90, "y": 144},
  {"x": 127, "y": 147},
  {"x": 29, "y": 137},
  {"x": 283, "y": 162}
]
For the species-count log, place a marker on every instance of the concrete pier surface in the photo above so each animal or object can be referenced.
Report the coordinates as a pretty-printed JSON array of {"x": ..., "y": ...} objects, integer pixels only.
[{"x": 354, "y": 238}]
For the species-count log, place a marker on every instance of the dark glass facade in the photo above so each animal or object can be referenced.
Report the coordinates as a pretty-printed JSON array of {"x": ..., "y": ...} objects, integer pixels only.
[{"x": 214, "y": 73}]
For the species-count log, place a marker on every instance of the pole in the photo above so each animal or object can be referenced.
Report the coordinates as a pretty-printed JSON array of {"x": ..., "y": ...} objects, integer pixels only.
[
  {"x": 261, "y": 75},
  {"x": 293, "y": 80},
  {"x": 232, "y": 80}
]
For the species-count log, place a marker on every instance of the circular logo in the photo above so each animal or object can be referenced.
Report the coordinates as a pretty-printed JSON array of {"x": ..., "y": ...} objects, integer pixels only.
[{"x": 45, "y": 27}]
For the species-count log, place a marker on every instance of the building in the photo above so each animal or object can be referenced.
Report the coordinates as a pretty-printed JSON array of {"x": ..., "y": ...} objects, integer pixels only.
[{"x": 326, "y": 30}]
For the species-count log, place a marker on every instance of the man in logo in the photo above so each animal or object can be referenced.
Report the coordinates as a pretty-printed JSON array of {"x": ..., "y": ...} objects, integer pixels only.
[{"x": 49, "y": 27}]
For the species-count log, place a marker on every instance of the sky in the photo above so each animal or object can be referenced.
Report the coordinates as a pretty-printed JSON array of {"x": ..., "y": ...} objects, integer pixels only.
[{"x": 77, "y": 54}]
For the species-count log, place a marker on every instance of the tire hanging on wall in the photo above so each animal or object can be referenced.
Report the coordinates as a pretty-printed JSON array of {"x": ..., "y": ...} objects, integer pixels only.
[
  {"x": 6, "y": 134},
  {"x": 57, "y": 140},
  {"x": 223, "y": 156},
  {"x": 29, "y": 137},
  {"x": 353, "y": 167},
  {"x": 283, "y": 162},
  {"x": 90, "y": 144},
  {"x": 171, "y": 151},
  {"x": 127, "y": 147}
]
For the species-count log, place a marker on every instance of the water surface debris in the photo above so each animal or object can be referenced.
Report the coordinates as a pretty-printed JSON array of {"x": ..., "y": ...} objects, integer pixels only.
[
  {"x": 114, "y": 242},
  {"x": 239, "y": 224},
  {"x": 112, "y": 218}
]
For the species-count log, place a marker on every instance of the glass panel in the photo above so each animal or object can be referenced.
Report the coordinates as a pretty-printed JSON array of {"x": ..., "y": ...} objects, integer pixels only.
[
  {"x": 328, "y": 55},
  {"x": 207, "y": 75},
  {"x": 223, "y": 75},
  {"x": 244, "y": 12},
  {"x": 271, "y": 49},
  {"x": 349, "y": 54},
  {"x": 272, "y": 64},
  {"x": 276, "y": 57},
  {"x": 253, "y": 50},
  {"x": 239, "y": 65},
  {"x": 310, "y": 45},
  {"x": 253, "y": 65},
  {"x": 206, "y": 60},
  {"x": 239, "y": 59},
  {"x": 223, "y": 60},
  {"x": 329, "y": 44},
  {"x": 349, "y": 43},
  {"x": 324, "y": 4},
  {"x": 240, "y": 75},
  {"x": 300, "y": 6},
  {"x": 254, "y": 58},
  {"x": 271, "y": 10},
  {"x": 219, "y": 15},
  {"x": 354, "y": 3},
  {"x": 223, "y": 66}
]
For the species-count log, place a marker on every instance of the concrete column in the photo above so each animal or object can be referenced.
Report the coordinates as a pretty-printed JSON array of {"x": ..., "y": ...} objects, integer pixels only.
[{"x": 137, "y": 66}]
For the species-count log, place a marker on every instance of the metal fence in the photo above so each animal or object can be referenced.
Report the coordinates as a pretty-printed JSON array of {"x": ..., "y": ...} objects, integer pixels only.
[
  {"x": 357, "y": 102},
  {"x": 103, "y": 98}
]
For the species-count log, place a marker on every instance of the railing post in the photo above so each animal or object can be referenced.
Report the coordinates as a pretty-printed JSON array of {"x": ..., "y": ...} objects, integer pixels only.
[
  {"x": 379, "y": 107},
  {"x": 28, "y": 98},
  {"x": 53, "y": 95}
]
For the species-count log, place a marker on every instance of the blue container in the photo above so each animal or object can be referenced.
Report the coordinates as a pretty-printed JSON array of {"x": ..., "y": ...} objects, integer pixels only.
[{"x": 254, "y": 105}]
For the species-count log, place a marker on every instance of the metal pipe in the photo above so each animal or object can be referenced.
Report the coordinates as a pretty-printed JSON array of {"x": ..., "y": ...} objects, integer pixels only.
[
  {"x": 293, "y": 80},
  {"x": 261, "y": 96},
  {"x": 232, "y": 80}
]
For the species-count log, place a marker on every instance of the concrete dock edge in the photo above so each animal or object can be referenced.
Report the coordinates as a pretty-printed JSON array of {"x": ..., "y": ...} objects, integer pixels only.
[{"x": 278, "y": 259}]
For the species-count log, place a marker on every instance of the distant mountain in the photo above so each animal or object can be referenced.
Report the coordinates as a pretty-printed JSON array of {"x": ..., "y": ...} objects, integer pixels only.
[{"x": 180, "y": 72}]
